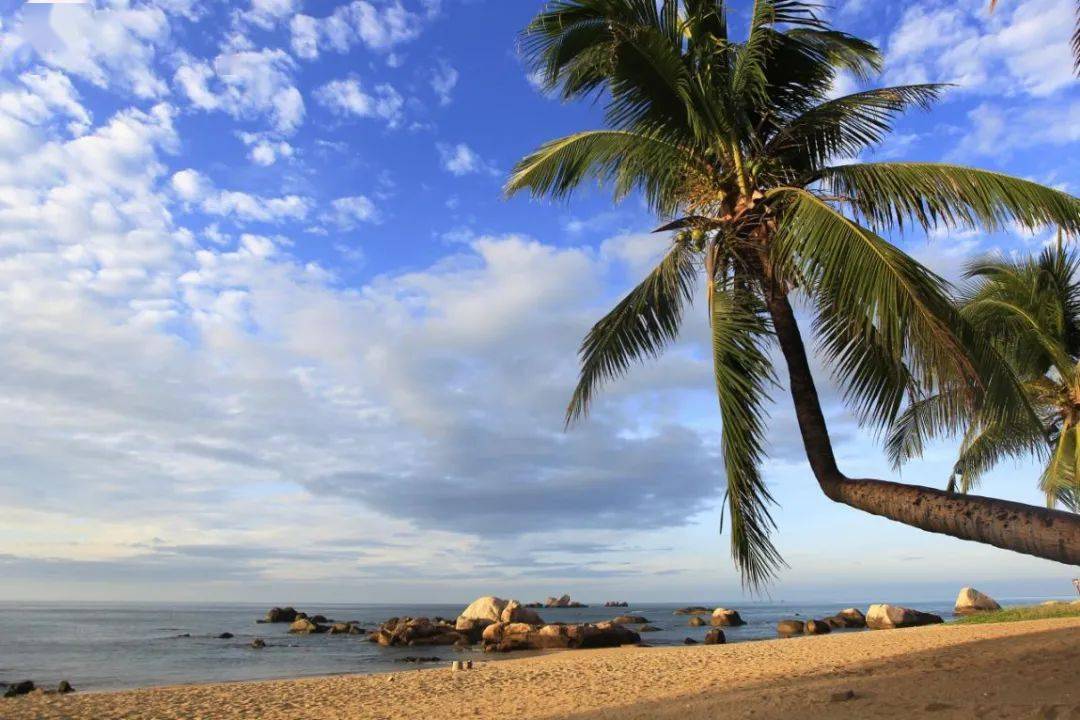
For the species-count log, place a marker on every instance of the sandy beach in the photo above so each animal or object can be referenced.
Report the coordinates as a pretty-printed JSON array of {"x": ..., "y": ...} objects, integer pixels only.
[{"x": 1009, "y": 670}]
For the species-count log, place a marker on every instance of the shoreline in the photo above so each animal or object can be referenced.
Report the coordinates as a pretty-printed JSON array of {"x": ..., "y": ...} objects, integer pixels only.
[{"x": 683, "y": 682}]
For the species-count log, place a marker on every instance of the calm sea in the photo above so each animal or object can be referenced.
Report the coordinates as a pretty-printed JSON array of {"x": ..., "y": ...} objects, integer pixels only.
[{"x": 119, "y": 645}]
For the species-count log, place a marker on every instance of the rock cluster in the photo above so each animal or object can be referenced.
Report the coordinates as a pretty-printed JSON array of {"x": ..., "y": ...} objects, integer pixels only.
[
  {"x": 631, "y": 620},
  {"x": 281, "y": 615},
  {"x": 848, "y": 618},
  {"x": 971, "y": 600},
  {"x": 616, "y": 603},
  {"x": 888, "y": 617},
  {"x": 413, "y": 632},
  {"x": 562, "y": 602},
  {"x": 693, "y": 610},
  {"x": 504, "y": 637}
]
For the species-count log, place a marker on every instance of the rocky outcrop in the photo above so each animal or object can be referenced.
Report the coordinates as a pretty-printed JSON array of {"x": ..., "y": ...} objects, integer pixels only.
[
  {"x": 889, "y": 617},
  {"x": 630, "y": 620},
  {"x": 787, "y": 628},
  {"x": 722, "y": 617},
  {"x": 693, "y": 610},
  {"x": 306, "y": 626},
  {"x": 280, "y": 615},
  {"x": 489, "y": 609},
  {"x": 817, "y": 627},
  {"x": 562, "y": 602},
  {"x": 515, "y": 612},
  {"x": 715, "y": 637},
  {"x": 971, "y": 601},
  {"x": 647, "y": 628},
  {"x": 697, "y": 621},
  {"x": 414, "y": 632},
  {"x": 505, "y": 637},
  {"x": 616, "y": 603},
  {"x": 346, "y": 628}
]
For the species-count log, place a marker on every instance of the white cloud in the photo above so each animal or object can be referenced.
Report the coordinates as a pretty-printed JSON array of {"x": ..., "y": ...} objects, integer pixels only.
[
  {"x": 996, "y": 131},
  {"x": 267, "y": 13},
  {"x": 113, "y": 46},
  {"x": 245, "y": 84},
  {"x": 444, "y": 79},
  {"x": 265, "y": 150},
  {"x": 47, "y": 96},
  {"x": 460, "y": 159},
  {"x": 347, "y": 97},
  {"x": 347, "y": 212},
  {"x": 194, "y": 188},
  {"x": 378, "y": 26},
  {"x": 1021, "y": 47}
]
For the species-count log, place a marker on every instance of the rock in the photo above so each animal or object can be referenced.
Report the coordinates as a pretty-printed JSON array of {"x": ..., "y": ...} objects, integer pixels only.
[
  {"x": 722, "y": 617},
  {"x": 417, "y": 632},
  {"x": 843, "y": 696},
  {"x": 318, "y": 619},
  {"x": 515, "y": 612},
  {"x": 693, "y": 610},
  {"x": 64, "y": 688},
  {"x": 697, "y": 621},
  {"x": 225, "y": 636},
  {"x": 647, "y": 628},
  {"x": 715, "y": 637},
  {"x": 488, "y": 608},
  {"x": 562, "y": 602},
  {"x": 689, "y": 641},
  {"x": 346, "y": 628},
  {"x": 851, "y": 618},
  {"x": 971, "y": 600},
  {"x": 888, "y": 617},
  {"x": 24, "y": 687},
  {"x": 280, "y": 615},
  {"x": 817, "y": 627},
  {"x": 258, "y": 644},
  {"x": 616, "y": 603},
  {"x": 504, "y": 637},
  {"x": 787, "y": 628},
  {"x": 305, "y": 626},
  {"x": 630, "y": 620},
  {"x": 420, "y": 659}
]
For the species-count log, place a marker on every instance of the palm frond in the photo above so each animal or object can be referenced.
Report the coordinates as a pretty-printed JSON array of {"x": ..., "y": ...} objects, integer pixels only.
[
  {"x": 932, "y": 195},
  {"x": 742, "y": 371},
  {"x": 640, "y": 326}
]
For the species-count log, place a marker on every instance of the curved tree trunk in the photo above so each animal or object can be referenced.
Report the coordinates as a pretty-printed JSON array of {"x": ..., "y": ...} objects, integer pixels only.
[{"x": 1042, "y": 532}]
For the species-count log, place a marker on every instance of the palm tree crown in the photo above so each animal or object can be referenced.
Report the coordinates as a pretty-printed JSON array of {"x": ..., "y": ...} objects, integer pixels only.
[
  {"x": 1030, "y": 309},
  {"x": 736, "y": 143}
]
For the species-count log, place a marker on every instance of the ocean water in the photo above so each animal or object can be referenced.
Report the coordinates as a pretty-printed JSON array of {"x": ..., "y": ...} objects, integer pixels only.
[{"x": 106, "y": 646}]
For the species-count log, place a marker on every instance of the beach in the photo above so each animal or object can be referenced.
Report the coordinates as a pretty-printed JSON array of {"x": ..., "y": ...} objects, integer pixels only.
[{"x": 1008, "y": 670}]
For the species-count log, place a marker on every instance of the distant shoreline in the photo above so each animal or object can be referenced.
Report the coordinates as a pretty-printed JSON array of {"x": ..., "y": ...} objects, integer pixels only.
[{"x": 1016, "y": 667}]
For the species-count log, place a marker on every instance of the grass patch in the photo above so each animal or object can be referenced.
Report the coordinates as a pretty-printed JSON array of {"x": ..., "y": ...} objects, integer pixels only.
[{"x": 1025, "y": 612}]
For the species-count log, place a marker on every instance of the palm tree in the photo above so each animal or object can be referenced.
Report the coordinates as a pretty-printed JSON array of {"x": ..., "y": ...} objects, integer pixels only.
[
  {"x": 1030, "y": 309},
  {"x": 735, "y": 143}
]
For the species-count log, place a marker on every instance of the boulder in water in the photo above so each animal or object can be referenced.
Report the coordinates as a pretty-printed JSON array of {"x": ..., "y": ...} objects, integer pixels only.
[
  {"x": 225, "y": 636},
  {"x": 787, "y": 628},
  {"x": 722, "y": 617},
  {"x": 258, "y": 644},
  {"x": 715, "y": 637},
  {"x": 697, "y": 621},
  {"x": 693, "y": 610},
  {"x": 24, "y": 687},
  {"x": 64, "y": 688},
  {"x": 305, "y": 626},
  {"x": 631, "y": 620},
  {"x": 817, "y": 627},
  {"x": 280, "y": 615}
]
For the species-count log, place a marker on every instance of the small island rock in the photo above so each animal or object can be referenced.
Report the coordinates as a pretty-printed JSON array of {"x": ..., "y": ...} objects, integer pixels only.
[{"x": 722, "y": 617}]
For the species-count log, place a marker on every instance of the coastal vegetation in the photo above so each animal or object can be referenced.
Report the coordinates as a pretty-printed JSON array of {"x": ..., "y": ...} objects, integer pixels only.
[
  {"x": 742, "y": 150},
  {"x": 1025, "y": 612}
]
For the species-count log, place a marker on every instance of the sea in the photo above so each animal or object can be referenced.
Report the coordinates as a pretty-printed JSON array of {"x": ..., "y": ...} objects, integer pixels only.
[{"x": 110, "y": 646}]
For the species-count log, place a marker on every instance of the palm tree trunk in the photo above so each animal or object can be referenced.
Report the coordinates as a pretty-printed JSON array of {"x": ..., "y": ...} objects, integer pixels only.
[{"x": 1042, "y": 532}]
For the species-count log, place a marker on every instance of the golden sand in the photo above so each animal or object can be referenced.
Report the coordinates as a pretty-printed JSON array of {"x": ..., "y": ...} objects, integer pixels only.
[{"x": 1021, "y": 670}]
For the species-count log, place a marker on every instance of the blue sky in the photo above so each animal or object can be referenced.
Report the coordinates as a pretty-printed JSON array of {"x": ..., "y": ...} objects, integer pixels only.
[{"x": 270, "y": 331}]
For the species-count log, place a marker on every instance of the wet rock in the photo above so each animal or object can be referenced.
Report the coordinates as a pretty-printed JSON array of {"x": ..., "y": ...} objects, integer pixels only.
[
  {"x": 647, "y": 628},
  {"x": 504, "y": 637},
  {"x": 888, "y": 617},
  {"x": 693, "y": 610},
  {"x": 697, "y": 621},
  {"x": 319, "y": 619},
  {"x": 420, "y": 659},
  {"x": 258, "y": 644},
  {"x": 616, "y": 603},
  {"x": 689, "y": 641},
  {"x": 305, "y": 626},
  {"x": 280, "y": 615},
  {"x": 787, "y": 628},
  {"x": 225, "y": 636},
  {"x": 631, "y": 620},
  {"x": 416, "y": 632},
  {"x": 24, "y": 687},
  {"x": 817, "y": 627},
  {"x": 722, "y": 617},
  {"x": 346, "y": 628},
  {"x": 64, "y": 688},
  {"x": 715, "y": 637}
]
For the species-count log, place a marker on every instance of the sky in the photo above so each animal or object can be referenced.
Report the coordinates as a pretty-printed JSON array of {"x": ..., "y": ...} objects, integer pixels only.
[{"x": 269, "y": 330}]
